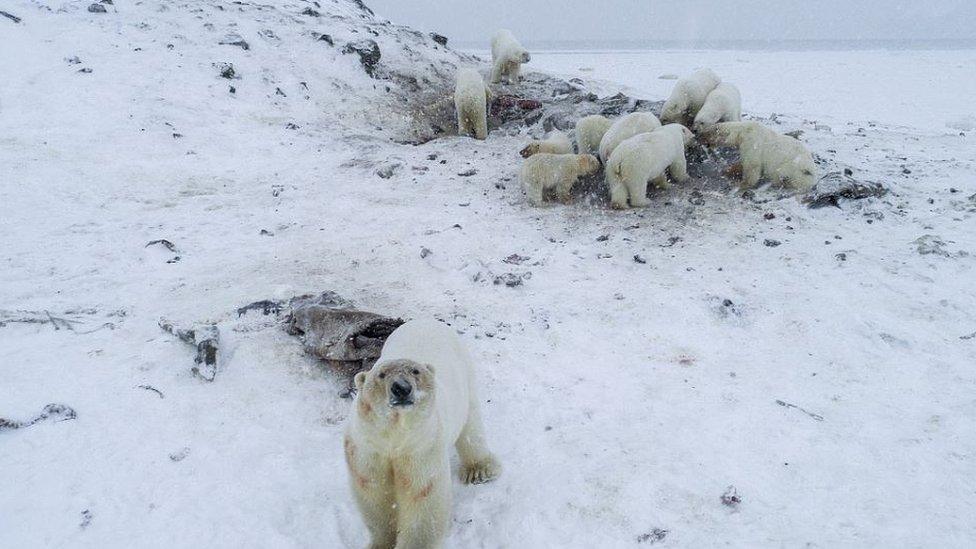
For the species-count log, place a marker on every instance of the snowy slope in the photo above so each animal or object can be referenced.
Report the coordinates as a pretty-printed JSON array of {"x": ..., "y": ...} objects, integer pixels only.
[{"x": 622, "y": 397}]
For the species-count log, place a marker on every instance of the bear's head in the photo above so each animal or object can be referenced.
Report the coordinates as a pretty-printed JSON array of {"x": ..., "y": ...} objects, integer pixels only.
[
  {"x": 686, "y": 135},
  {"x": 395, "y": 387},
  {"x": 530, "y": 149},
  {"x": 710, "y": 136},
  {"x": 526, "y": 57},
  {"x": 588, "y": 164}
]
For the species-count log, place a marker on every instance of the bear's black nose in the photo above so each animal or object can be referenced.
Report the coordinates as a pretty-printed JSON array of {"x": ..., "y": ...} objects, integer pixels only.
[{"x": 400, "y": 389}]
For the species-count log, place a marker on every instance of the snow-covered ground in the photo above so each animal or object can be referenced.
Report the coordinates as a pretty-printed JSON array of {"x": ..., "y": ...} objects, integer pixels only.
[{"x": 622, "y": 397}]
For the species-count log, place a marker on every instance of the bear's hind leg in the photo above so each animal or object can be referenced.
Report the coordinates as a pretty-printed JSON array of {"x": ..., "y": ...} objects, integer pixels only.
[{"x": 478, "y": 465}]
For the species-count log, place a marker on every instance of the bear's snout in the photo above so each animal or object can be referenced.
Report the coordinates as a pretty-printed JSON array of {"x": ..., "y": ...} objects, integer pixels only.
[{"x": 400, "y": 391}]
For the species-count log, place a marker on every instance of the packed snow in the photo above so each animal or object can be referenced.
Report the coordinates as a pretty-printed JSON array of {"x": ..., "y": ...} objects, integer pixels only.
[{"x": 711, "y": 370}]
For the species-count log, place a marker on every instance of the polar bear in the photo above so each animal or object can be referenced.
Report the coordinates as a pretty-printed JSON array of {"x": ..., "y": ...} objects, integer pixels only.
[
  {"x": 471, "y": 103},
  {"x": 556, "y": 143},
  {"x": 688, "y": 96},
  {"x": 417, "y": 401},
  {"x": 723, "y": 104},
  {"x": 544, "y": 171},
  {"x": 589, "y": 131},
  {"x": 783, "y": 160},
  {"x": 626, "y": 127},
  {"x": 507, "y": 56},
  {"x": 643, "y": 158}
]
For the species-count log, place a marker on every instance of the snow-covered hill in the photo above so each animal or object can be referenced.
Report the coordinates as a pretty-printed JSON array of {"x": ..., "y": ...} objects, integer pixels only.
[{"x": 638, "y": 364}]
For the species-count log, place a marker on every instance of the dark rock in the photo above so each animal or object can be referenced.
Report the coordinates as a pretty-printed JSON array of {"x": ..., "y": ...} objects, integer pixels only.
[
  {"x": 56, "y": 412},
  {"x": 279, "y": 91},
  {"x": 769, "y": 215},
  {"x": 696, "y": 198},
  {"x": 511, "y": 280},
  {"x": 468, "y": 173},
  {"x": 86, "y": 70},
  {"x": 327, "y": 39},
  {"x": 310, "y": 12},
  {"x": 387, "y": 171},
  {"x": 731, "y": 497},
  {"x": 652, "y": 537},
  {"x": 515, "y": 259},
  {"x": 368, "y": 51},
  {"x": 424, "y": 252},
  {"x": 206, "y": 339},
  {"x": 235, "y": 40},
  {"x": 292, "y": 126},
  {"x": 73, "y": 60},
  {"x": 226, "y": 70},
  {"x": 771, "y": 242},
  {"x": 439, "y": 38},
  {"x": 10, "y": 16},
  {"x": 96, "y": 8},
  {"x": 639, "y": 259}
]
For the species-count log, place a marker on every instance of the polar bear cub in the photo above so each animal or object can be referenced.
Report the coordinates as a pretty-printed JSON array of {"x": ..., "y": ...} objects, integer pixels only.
[
  {"x": 782, "y": 159},
  {"x": 471, "y": 104},
  {"x": 544, "y": 171},
  {"x": 688, "y": 96},
  {"x": 507, "y": 56},
  {"x": 418, "y": 400},
  {"x": 723, "y": 104},
  {"x": 556, "y": 143},
  {"x": 643, "y": 158},
  {"x": 589, "y": 131},
  {"x": 626, "y": 127}
]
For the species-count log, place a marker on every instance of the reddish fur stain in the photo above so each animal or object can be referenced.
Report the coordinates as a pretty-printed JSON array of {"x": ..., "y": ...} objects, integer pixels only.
[
  {"x": 362, "y": 481},
  {"x": 364, "y": 408},
  {"x": 424, "y": 492},
  {"x": 350, "y": 449},
  {"x": 734, "y": 171}
]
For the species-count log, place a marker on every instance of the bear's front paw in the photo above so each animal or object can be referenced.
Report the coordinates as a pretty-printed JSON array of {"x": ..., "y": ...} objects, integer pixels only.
[{"x": 481, "y": 471}]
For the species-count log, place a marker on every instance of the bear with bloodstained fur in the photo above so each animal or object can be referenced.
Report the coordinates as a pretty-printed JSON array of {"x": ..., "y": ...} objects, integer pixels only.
[
  {"x": 764, "y": 153},
  {"x": 589, "y": 132},
  {"x": 471, "y": 104},
  {"x": 418, "y": 400},
  {"x": 625, "y": 127},
  {"x": 723, "y": 104},
  {"x": 688, "y": 96},
  {"x": 643, "y": 158},
  {"x": 507, "y": 56},
  {"x": 559, "y": 172},
  {"x": 556, "y": 143}
]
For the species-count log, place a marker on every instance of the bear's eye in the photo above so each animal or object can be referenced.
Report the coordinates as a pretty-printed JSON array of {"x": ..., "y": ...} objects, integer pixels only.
[
  {"x": 383, "y": 375},
  {"x": 416, "y": 372}
]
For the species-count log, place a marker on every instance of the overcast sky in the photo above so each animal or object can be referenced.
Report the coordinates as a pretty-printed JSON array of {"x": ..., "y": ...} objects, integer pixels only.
[{"x": 475, "y": 20}]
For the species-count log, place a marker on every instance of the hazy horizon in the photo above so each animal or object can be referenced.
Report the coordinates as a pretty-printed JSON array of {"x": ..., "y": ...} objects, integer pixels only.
[{"x": 468, "y": 22}]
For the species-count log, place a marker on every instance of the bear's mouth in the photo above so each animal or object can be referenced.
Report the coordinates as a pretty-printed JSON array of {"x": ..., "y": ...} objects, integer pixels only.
[{"x": 394, "y": 401}]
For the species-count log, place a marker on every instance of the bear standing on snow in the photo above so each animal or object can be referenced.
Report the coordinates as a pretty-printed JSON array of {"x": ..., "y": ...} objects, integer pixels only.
[
  {"x": 471, "y": 104},
  {"x": 507, "y": 56},
  {"x": 589, "y": 131},
  {"x": 626, "y": 127},
  {"x": 417, "y": 401},
  {"x": 556, "y": 143},
  {"x": 764, "y": 153},
  {"x": 688, "y": 96},
  {"x": 542, "y": 172},
  {"x": 643, "y": 158},
  {"x": 723, "y": 104}
]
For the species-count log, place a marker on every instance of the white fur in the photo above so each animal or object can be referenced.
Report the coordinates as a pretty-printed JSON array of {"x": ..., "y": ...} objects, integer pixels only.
[
  {"x": 626, "y": 127},
  {"x": 723, "y": 104},
  {"x": 398, "y": 456},
  {"x": 643, "y": 158},
  {"x": 783, "y": 160},
  {"x": 556, "y": 143},
  {"x": 589, "y": 131},
  {"x": 507, "y": 56},
  {"x": 545, "y": 171},
  {"x": 470, "y": 103},
  {"x": 688, "y": 96}
]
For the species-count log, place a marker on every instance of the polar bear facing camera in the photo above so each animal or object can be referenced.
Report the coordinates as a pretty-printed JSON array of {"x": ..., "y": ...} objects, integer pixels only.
[
  {"x": 688, "y": 96},
  {"x": 556, "y": 143},
  {"x": 507, "y": 56},
  {"x": 471, "y": 104},
  {"x": 589, "y": 131},
  {"x": 543, "y": 172},
  {"x": 723, "y": 104},
  {"x": 626, "y": 127},
  {"x": 417, "y": 401},
  {"x": 783, "y": 160},
  {"x": 643, "y": 158}
]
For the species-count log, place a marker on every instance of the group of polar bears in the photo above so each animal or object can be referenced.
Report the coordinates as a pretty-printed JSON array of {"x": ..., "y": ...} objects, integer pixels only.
[
  {"x": 700, "y": 106},
  {"x": 636, "y": 149}
]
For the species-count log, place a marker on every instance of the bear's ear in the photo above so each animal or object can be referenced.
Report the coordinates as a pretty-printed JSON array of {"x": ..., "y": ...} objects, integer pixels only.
[{"x": 359, "y": 380}]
